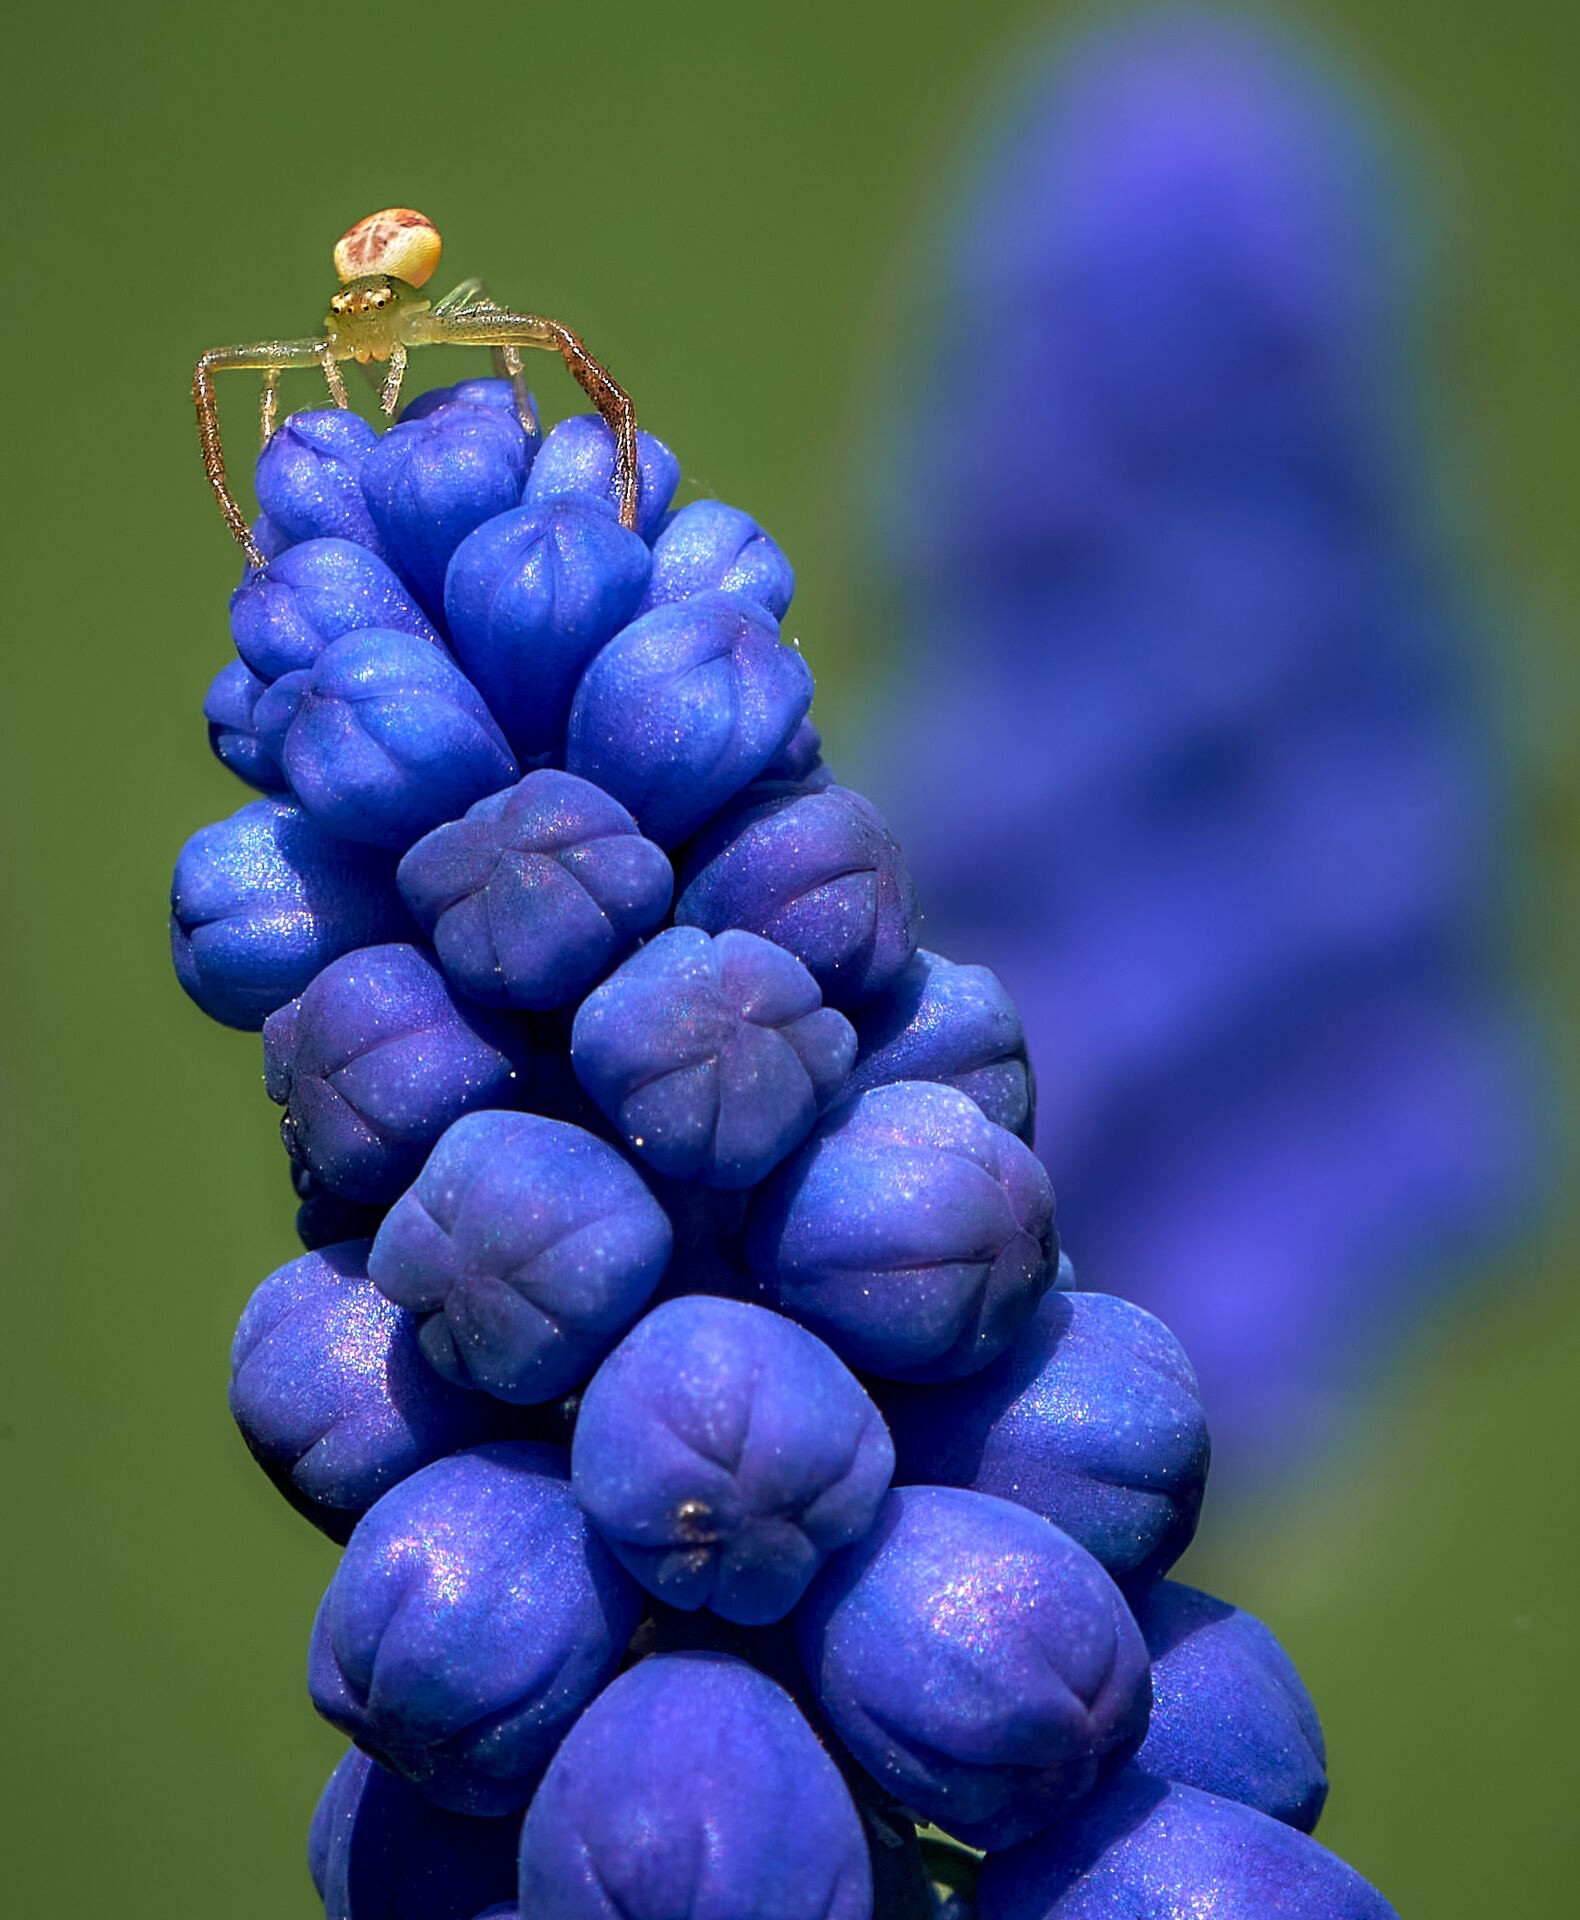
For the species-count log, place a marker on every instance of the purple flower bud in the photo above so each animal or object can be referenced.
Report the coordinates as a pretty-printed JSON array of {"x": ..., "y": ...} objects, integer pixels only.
[
  {"x": 495, "y": 393},
  {"x": 308, "y": 478},
  {"x": 530, "y": 598},
  {"x": 1147, "y": 1846},
  {"x": 474, "y": 1615},
  {"x": 283, "y": 617},
  {"x": 684, "y": 708},
  {"x": 331, "y": 1391},
  {"x": 799, "y": 762},
  {"x": 375, "y": 1060},
  {"x": 708, "y": 545},
  {"x": 1229, "y": 1712},
  {"x": 537, "y": 892},
  {"x": 578, "y": 462},
  {"x": 434, "y": 477},
  {"x": 263, "y": 901},
  {"x": 379, "y": 1851},
  {"x": 939, "y": 1021},
  {"x": 529, "y": 1247},
  {"x": 232, "y": 737},
  {"x": 977, "y": 1662},
  {"x": 711, "y": 1056},
  {"x": 723, "y": 1453},
  {"x": 910, "y": 1232},
  {"x": 819, "y": 873},
  {"x": 755, "y": 1820},
  {"x": 382, "y": 738},
  {"x": 1092, "y": 1419}
]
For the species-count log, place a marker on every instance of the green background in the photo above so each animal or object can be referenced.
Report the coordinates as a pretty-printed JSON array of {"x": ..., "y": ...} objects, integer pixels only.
[{"x": 725, "y": 200}]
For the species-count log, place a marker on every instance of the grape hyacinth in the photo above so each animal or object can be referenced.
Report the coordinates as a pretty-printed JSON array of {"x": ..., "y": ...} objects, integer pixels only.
[
  {"x": 731, "y": 1476},
  {"x": 1177, "y": 618}
]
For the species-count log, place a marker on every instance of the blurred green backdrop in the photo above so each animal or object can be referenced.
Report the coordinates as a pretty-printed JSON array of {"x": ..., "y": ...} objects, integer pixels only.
[{"x": 724, "y": 200}]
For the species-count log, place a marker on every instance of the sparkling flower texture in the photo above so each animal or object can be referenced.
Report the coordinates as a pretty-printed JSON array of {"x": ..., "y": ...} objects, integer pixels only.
[
  {"x": 1183, "y": 739},
  {"x": 649, "y": 1170}
]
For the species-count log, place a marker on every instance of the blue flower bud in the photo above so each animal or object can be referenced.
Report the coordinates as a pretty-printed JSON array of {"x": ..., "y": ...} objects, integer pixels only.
[
  {"x": 1148, "y": 1846},
  {"x": 712, "y": 1057},
  {"x": 232, "y": 736},
  {"x": 323, "y": 1219},
  {"x": 474, "y": 1615},
  {"x": 977, "y": 1662},
  {"x": 530, "y": 598},
  {"x": 537, "y": 892},
  {"x": 799, "y": 761},
  {"x": 1229, "y": 1712},
  {"x": 331, "y": 1391},
  {"x": 818, "y": 872},
  {"x": 692, "y": 1789},
  {"x": 578, "y": 462},
  {"x": 724, "y": 1453},
  {"x": 493, "y": 392},
  {"x": 379, "y": 1851},
  {"x": 1092, "y": 1419},
  {"x": 528, "y": 1247},
  {"x": 684, "y": 708},
  {"x": 955, "y": 1024},
  {"x": 382, "y": 738},
  {"x": 910, "y": 1232},
  {"x": 282, "y": 617},
  {"x": 308, "y": 478},
  {"x": 375, "y": 1060},
  {"x": 263, "y": 901},
  {"x": 434, "y": 477},
  {"x": 708, "y": 545}
]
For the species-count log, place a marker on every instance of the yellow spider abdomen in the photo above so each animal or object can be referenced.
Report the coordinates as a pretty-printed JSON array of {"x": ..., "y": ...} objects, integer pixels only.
[{"x": 403, "y": 244}]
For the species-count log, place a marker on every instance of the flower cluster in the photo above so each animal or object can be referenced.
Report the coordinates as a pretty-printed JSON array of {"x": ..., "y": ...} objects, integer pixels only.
[
  {"x": 1239, "y": 873},
  {"x": 730, "y": 1476}
]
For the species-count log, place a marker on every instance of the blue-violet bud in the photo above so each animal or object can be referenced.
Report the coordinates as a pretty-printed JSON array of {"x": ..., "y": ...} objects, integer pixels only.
[
  {"x": 977, "y": 1662},
  {"x": 528, "y": 1247},
  {"x": 577, "y": 462},
  {"x": 711, "y": 1056},
  {"x": 723, "y": 1453},
  {"x": 309, "y": 478},
  {"x": 708, "y": 545},
  {"x": 282, "y": 618},
  {"x": 474, "y": 1615},
  {"x": 911, "y": 1233},
  {"x": 232, "y": 735},
  {"x": 692, "y": 1789}
]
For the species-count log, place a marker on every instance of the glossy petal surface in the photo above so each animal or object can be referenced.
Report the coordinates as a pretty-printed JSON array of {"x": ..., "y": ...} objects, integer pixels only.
[
  {"x": 578, "y": 463},
  {"x": 282, "y": 618},
  {"x": 706, "y": 546}
]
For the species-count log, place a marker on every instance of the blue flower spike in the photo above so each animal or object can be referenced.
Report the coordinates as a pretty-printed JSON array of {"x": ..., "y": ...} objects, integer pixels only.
[
  {"x": 261, "y": 902},
  {"x": 332, "y": 1394},
  {"x": 693, "y": 1790},
  {"x": 911, "y": 1233},
  {"x": 379, "y": 1851},
  {"x": 375, "y": 1060},
  {"x": 473, "y": 1616},
  {"x": 712, "y": 1056},
  {"x": 282, "y": 619},
  {"x": 535, "y": 893},
  {"x": 309, "y": 478},
  {"x": 723, "y": 1452},
  {"x": 1149, "y": 1846},
  {"x": 526, "y": 1247},
  {"x": 383, "y": 738},
  {"x": 684, "y": 708},
  {"x": 1229, "y": 1712},
  {"x": 1092, "y": 1419},
  {"x": 530, "y": 597},
  {"x": 577, "y": 462},
  {"x": 819, "y": 873},
  {"x": 977, "y": 1662}
]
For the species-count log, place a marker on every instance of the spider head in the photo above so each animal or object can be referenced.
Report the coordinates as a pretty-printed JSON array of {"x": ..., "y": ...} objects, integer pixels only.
[{"x": 396, "y": 244}]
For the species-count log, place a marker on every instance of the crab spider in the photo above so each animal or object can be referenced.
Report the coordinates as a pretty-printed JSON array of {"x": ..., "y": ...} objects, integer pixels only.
[{"x": 378, "y": 316}]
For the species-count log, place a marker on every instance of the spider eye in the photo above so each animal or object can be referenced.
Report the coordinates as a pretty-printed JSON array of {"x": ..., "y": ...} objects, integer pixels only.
[{"x": 397, "y": 241}]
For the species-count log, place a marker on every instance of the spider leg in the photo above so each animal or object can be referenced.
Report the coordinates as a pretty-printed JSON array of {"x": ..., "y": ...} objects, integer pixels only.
[
  {"x": 473, "y": 297},
  {"x": 389, "y": 393},
  {"x": 497, "y": 328},
  {"x": 269, "y": 404},
  {"x": 271, "y": 358}
]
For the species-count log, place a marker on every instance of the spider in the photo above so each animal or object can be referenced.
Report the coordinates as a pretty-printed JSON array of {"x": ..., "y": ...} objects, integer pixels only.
[{"x": 379, "y": 315}]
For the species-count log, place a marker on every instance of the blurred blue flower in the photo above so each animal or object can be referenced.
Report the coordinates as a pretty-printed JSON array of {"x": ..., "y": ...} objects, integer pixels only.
[{"x": 1188, "y": 746}]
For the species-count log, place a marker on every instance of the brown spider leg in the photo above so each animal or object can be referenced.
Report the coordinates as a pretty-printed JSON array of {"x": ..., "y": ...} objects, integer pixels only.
[
  {"x": 532, "y": 330},
  {"x": 389, "y": 393},
  {"x": 263, "y": 356}
]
